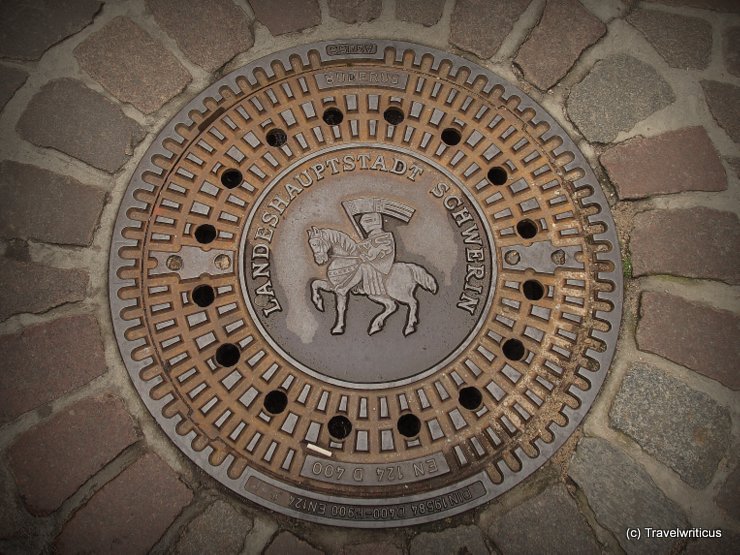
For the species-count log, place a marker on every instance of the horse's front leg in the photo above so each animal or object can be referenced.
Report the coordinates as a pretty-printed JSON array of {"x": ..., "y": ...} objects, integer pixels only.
[
  {"x": 341, "y": 313},
  {"x": 316, "y": 286}
]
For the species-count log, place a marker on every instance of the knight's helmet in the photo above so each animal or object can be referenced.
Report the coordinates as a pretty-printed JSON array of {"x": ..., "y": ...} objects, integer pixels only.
[{"x": 371, "y": 221}]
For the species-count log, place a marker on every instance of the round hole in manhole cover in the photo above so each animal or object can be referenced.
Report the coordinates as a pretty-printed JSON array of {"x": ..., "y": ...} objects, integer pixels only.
[{"x": 398, "y": 285}]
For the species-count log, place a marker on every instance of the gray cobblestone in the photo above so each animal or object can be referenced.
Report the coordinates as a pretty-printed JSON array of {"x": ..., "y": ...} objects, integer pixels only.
[
  {"x": 11, "y": 79},
  {"x": 480, "y": 26},
  {"x": 424, "y": 12},
  {"x": 355, "y": 11},
  {"x": 682, "y": 428}
]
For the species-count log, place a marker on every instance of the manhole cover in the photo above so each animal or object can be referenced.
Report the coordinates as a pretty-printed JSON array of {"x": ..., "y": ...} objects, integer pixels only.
[{"x": 365, "y": 283}]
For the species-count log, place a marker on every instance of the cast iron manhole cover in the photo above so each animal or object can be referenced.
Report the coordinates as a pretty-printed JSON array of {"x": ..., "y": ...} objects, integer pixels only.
[{"x": 365, "y": 283}]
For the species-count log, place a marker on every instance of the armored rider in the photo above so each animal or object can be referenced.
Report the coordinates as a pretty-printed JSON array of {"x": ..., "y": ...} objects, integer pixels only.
[{"x": 377, "y": 254}]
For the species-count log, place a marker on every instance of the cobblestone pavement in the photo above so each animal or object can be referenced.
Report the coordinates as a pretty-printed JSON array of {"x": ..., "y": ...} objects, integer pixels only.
[{"x": 649, "y": 90}]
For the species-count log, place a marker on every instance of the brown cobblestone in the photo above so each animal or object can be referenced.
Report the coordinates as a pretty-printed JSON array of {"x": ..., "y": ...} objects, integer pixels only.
[
  {"x": 355, "y": 11},
  {"x": 731, "y": 50},
  {"x": 423, "y": 12},
  {"x": 728, "y": 6},
  {"x": 684, "y": 42},
  {"x": 210, "y": 41},
  {"x": 45, "y": 206},
  {"x": 673, "y": 162},
  {"x": 285, "y": 542},
  {"x": 723, "y": 100},
  {"x": 693, "y": 242},
  {"x": 68, "y": 116},
  {"x": 30, "y": 287},
  {"x": 51, "y": 461},
  {"x": 220, "y": 529},
  {"x": 480, "y": 26},
  {"x": 130, "y": 513},
  {"x": 729, "y": 493},
  {"x": 695, "y": 335},
  {"x": 548, "y": 54},
  {"x": 560, "y": 526},
  {"x": 132, "y": 65},
  {"x": 46, "y": 361},
  {"x": 30, "y": 27},
  {"x": 293, "y": 15},
  {"x": 619, "y": 92},
  {"x": 11, "y": 79}
]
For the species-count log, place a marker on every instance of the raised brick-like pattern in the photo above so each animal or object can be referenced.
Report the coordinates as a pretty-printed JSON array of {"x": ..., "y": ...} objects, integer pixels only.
[
  {"x": 132, "y": 65},
  {"x": 45, "y": 361},
  {"x": 673, "y": 162},
  {"x": 51, "y": 461},
  {"x": 549, "y": 53},
  {"x": 692, "y": 334},
  {"x": 68, "y": 116},
  {"x": 130, "y": 513}
]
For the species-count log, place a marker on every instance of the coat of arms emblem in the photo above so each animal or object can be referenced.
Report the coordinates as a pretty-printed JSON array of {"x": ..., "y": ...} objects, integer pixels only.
[{"x": 368, "y": 266}]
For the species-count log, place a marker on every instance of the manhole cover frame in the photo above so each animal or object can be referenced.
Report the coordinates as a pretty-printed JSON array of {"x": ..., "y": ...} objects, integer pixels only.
[{"x": 284, "y": 497}]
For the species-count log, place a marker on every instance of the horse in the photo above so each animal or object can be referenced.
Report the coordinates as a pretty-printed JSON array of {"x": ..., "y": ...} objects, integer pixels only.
[{"x": 344, "y": 275}]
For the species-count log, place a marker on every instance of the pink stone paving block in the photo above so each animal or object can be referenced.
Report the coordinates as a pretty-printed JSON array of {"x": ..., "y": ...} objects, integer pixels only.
[
  {"x": 46, "y": 361},
  {"x": 673, "y": 162},
  {"x": 132, "y": 65},
  {"x": 74, "y": 119},
  {"x": 549, "y": 53},
  {"x": 695, "y": 335},
  {"x": 130, "y": 513},
  {"x": 695, "y": 242},
  {"x": 684, "y": 42},
  {"x": 480, "y": 26},
  {"x": 293, "y": 15},
  {"x": 209, "y": 41},
  {"x": 46, "y": 206},
  {"x": 51, "y": 461}
]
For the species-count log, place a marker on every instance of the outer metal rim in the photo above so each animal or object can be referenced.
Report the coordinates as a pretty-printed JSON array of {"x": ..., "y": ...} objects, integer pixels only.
[{"x": 264, "y": 496}]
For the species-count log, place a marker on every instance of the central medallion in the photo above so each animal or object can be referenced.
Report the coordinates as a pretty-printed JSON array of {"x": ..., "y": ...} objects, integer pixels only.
[{"x": 367, "y": 266}]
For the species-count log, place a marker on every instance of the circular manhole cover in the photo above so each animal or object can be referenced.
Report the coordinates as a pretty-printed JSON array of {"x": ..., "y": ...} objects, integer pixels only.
[{"x": 365, "y": 283}]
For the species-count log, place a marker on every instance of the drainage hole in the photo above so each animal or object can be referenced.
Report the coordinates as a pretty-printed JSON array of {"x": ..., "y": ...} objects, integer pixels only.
[
  {"x": 513, "y": 349},
  {"x": 231, "y": 178},
  {"x": 533, "y": 290},
  {"x": 470, "y": 398},
  {"x": 339, "y": 426},
  {"x": 203, "y": 295},
  {"x": 526, "y": 229},
  {"x": 276, "y": 137},
  {"x": 205, "y": 233},
  {"x": 408, "y": 425},
  {"x": 227, "y": 354},
  {"x": 451, "y": 136},
  {"x": 497, "y": 175},
  {"x": 276, "y": 401},
  {"x": 333, "y": 116},
  {"x": 393, "y": 115}
]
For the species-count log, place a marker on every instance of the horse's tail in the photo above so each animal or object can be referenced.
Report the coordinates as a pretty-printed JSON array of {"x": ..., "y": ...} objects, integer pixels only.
[{"x": 423, "y": 278}]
